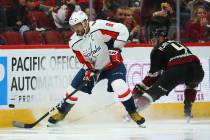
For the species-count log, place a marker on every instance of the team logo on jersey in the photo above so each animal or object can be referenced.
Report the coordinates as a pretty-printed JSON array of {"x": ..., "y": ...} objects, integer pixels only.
[
  {"x": 3, "y": 80},
  {"x": 93, "y": 51}
]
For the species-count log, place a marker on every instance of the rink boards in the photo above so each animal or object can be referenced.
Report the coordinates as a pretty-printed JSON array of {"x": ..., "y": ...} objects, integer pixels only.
[{"x": 35, "y": 79}]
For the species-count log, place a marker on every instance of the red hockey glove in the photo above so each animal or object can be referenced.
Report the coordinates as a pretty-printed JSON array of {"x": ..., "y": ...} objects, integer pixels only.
[
  {"x": 91, "y": 75},
  {"x": 115, "y": 56},
  {"x": 88, "y": 74},
  {"x": 138, "y": 90}
]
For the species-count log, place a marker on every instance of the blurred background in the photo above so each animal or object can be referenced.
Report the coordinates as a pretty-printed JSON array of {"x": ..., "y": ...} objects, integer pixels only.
[{"x": 46, "y": 21}]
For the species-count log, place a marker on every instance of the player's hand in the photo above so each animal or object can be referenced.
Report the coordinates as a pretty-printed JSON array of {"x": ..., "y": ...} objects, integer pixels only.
[
  {"x": 91, "y": 75},
  {"x": 115, "y": 56},
  {"x": 138, "y": 90}
]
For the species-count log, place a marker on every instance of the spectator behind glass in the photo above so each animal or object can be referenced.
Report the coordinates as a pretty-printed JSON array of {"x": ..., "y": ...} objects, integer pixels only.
[
  {"x": 119, "y": 15},
  {"x": 97, "y": 5},
  {"x": 3, "y": 19},
  {"x": 100, "y": 9},
  {"x": 156, "y": 15},
  {"x": 94, "y": 16},
  {"x": 83, "y": 4},
  {"x": 198, "y": 26},
  {"x": 205, "y": 3},
  {"x": 133, "y": 27},
  {"x": 62, "y": 14},
  {"x": 185, "y": 12},
  {"x": 114, "y": 4},
  {"x": 16, "y": 16},
  {"x": 46, "y": 6},
  {"x": 2, "y": 40}
]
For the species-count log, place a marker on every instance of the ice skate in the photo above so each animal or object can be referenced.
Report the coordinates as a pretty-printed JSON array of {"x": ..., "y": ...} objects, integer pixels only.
[
  {"x": 127, "y": 117},
  {"x": 54, "y": 119},
  {"x": 138, "y": 119},
  {"x": 61, "y": 114}
]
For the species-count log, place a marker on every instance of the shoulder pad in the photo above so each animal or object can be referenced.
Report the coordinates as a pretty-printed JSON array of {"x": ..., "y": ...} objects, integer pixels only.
[
  {"x": 74, "y": 40},
  {"x": 95, "y": 24},
  {"x": 99, "y": 23}
]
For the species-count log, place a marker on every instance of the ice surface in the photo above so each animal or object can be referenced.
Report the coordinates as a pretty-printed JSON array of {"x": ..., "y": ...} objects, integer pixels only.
[
  {"x": 99, "y": 117},
  {"x": 156, "y": 130}
]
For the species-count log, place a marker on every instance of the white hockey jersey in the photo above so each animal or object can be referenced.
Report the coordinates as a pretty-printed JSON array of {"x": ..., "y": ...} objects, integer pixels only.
[{"x": 92, "y": 49}]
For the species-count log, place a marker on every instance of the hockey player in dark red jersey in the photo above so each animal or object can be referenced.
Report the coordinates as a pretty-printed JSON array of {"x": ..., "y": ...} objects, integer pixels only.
[{"x": 172, "y": 64}]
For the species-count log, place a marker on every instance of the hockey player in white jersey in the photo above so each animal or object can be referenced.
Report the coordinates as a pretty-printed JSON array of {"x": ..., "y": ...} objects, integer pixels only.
[{"x": 98, "y": 45}]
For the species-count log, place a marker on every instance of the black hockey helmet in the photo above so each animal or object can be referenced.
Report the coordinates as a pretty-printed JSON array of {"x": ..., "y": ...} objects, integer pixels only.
[{"x": 156, "y": 33}]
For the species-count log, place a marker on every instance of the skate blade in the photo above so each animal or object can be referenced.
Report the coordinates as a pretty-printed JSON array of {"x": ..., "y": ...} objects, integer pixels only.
[
  {"x": 52, "y": 125},
  {"x": 142, "y": 126}
]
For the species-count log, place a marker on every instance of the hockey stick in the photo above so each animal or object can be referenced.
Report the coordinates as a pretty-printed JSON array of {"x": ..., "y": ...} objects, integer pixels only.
[{"x": 31, "y": 125}]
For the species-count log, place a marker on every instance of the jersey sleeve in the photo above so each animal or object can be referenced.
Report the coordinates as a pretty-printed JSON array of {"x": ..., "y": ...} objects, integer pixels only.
[
  {"x": 116, "y": 31},
  {"x": 156, "y": 61},
  {"x": 155, "y": 68}
]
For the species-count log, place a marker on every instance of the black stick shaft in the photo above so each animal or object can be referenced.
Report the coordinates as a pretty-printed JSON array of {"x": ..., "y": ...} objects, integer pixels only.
[
  {"x": 31, "y": 125},
  {"x": 46, "y": 114}
]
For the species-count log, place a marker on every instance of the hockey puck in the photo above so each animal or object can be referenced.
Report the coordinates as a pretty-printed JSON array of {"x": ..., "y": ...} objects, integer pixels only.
[{"x": 11, "y": 105}]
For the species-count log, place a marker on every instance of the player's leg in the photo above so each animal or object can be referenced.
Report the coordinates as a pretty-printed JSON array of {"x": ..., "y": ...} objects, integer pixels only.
[
  {"x": 195, "y": 76},
  {"x": 65, "y": 107},
  {"x": 190, "y": 95},
  {"x": 167, "y": 81},
  {"x": 71, "y": 101},
  {"x": 124, "y": 95},
  {"x": 116, "y": 80}
]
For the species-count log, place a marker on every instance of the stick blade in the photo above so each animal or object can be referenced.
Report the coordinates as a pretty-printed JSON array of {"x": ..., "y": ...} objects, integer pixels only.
[{"x": 22, "y": 125}]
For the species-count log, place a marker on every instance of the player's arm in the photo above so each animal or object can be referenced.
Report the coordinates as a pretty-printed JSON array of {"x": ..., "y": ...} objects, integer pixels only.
[
  {"x": 152, "y": 75},
  {"x": 117, "y": 31},
  {"x": 156, "y": 63},
  {"x": 115, "y": 35}
]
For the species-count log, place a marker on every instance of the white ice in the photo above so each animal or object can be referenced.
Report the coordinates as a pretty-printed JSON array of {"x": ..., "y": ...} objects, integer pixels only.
[
  {"x": 156, "y": 130},
  {"x": 105, "y": 122}
]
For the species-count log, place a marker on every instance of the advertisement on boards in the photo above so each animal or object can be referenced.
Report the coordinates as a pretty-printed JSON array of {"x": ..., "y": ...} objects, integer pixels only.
[
  {"x": 39, "y": 77},
  {"x": 35, "y": 76},
  {"x": 3, "y": 80},
  {"x": 137, "y": 70}
]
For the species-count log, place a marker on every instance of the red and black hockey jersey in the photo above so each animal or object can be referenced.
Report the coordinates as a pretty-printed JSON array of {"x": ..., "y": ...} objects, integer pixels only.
[{"x": 165, "y": 55}]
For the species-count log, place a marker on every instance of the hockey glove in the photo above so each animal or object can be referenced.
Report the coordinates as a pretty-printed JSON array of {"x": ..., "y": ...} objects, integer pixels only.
[
  {"x": 138, "y": 91},
  {"x": 91, "y": 75},
  {"x": 115, "y": 56}
]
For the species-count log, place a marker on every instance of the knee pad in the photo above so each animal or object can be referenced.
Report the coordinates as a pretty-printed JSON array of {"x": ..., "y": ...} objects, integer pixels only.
[
  {"x": 72, "y": 99},
  {"x": 121, "y": 90},
  {"x": 190, "y": 94}
]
